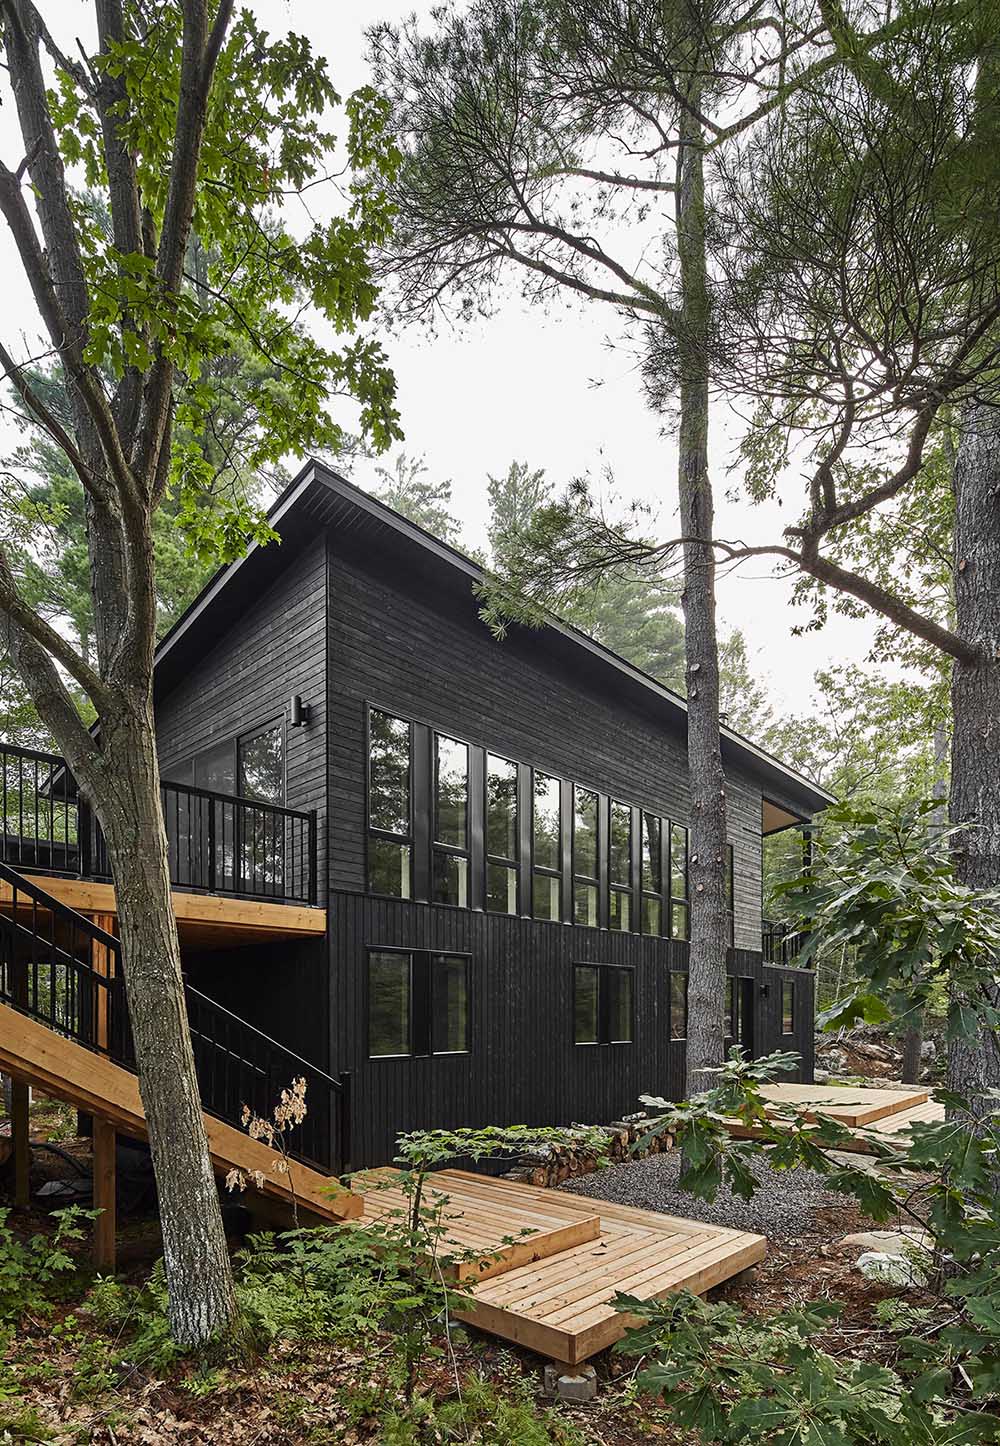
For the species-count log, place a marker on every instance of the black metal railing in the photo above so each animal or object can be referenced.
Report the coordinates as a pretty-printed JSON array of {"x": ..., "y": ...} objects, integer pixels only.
[
  {"x": 781, "y": 943},
  {"x": 62, "y": 970},
  {"x": 217, "y": 842}
]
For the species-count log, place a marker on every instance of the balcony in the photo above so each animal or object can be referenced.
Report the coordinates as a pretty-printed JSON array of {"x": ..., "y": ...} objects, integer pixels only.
[{"x": 239, "y": 868}]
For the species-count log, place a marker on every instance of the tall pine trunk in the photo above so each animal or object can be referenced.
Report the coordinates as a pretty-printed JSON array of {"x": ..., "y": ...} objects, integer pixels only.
[
  {"x": 202, "y": 1302},
  {"x": 974, "y": 803},
  {"x": 709, "y": 917}
]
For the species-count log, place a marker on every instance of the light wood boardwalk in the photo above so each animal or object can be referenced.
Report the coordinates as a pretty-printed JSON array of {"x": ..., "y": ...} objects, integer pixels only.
[
  {"x": 884, "y": 1113},
  {"x": 559, "y": 1305}
]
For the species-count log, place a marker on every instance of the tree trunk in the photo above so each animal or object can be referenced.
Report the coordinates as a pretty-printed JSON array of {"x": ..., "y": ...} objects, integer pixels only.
[
  {"x": 709, "y": 916},
  {"x": 974, "y": 804},
  {"x": 913, "y": 1036},
  {"x": 202, "y": 1301}
]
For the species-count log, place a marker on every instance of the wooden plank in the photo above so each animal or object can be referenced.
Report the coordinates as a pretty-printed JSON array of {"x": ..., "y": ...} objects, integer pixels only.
[
  {"x": 541, "y": 1246},
  {"x": 105, "y": 1226},
  {"x": 861, "y": 1106},
  {"x": 209, "y": 912},
  {"x": 60, "y": 1067},
  {"x": 19, "y": 1127}
]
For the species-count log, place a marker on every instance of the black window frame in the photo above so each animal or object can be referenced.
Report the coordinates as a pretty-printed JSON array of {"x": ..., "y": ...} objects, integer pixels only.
[
  {"x": 626, "y": 890},
  {"x": 678, "y": 984},
  {"x": 233, "y": 741},
  {"x": 440, "y": 850},
  {"x": 421, "y": 1001},
  {"x": 495, "y": 860},
  {"x": 788, "y": 1010},
  {"x": 657, "y": 855},
  {"x": 544, "y": 870},
  {"x": 581, "y": 879},
  {"x": 607, "y": 975},
  {"x": 407, "y": 840},
  {"x": 679, "y": 900}
]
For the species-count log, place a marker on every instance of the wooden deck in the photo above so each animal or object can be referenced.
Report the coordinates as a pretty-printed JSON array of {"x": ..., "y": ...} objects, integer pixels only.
[
  {"x": 550, "y": 1289},
  {"x": 206, "y": 921},
  {"x": 880, "y": 1112}
]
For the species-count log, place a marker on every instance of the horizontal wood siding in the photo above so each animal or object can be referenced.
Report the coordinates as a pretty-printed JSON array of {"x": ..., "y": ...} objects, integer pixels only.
[{"x": 277, "y": 649}]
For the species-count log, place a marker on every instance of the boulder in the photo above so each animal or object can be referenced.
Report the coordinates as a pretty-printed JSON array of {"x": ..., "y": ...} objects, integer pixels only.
[{"x": 890, "y": 1269}]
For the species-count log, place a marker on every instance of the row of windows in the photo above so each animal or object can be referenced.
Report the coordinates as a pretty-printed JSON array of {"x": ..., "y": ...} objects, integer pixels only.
[
  {"x": 418, "y": 1004},
  {"x": 513, "y": 840}
]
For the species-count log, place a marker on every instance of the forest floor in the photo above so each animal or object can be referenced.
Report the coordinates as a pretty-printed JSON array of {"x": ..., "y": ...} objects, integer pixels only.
[{"x": 63, "y": 1380}]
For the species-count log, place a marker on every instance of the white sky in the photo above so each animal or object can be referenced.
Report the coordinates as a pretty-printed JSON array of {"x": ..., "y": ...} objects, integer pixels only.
[{"x": 536, "y": 386}]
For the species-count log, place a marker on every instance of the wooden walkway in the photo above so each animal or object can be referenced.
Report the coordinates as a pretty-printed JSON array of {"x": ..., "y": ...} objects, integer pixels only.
[
  {"x": 550, "y": 1289},
  {"x": 883, "y": 1112}
]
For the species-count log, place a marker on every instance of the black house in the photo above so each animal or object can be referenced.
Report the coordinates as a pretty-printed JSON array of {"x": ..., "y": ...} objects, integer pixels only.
[{"x": 499, "y": 836}]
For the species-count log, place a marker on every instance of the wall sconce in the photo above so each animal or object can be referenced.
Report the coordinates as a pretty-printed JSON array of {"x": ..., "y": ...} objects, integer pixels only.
[{"x": 298, "y": 712}]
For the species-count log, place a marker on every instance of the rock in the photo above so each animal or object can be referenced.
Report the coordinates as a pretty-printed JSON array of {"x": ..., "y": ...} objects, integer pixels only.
[
  {"x": 890, "y": 1242},
  {"x": 928, "y": 1051},
  {"x": 890, "y": 1269},
  {"x": 821, "y": 1076},
  {"x": 576, "y": 1384}
]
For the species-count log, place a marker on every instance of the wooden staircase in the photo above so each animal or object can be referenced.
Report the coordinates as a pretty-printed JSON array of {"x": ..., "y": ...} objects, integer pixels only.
[{"x": 64, "y": 1029}]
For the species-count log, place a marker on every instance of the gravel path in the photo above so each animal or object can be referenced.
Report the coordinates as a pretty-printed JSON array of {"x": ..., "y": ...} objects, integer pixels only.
[{"x": 780, "y": 1208}]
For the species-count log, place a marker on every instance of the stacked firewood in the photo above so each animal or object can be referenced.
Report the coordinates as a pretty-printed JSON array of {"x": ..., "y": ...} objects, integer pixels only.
[{"x": 552, "y": 1165}]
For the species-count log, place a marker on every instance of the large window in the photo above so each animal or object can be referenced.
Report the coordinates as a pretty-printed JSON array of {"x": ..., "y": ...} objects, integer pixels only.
[
  {"x": 620, "y": 866},
  {"x": 418, "y": 1003},
  {"x": 652, "y": 874},
  {"x": 678, "y": 1005},
  {"x": 680, "y": 917},
  {"x": 390, "y": 830},
  {"x": 261, "y": 764},
  {"x": 585, "y": 856},
  {"x": 450, "y": 873},
  {"x": 501, "y": 835},
  {"x": 602, "y": 1004},
  {"x": 546, "y": 879}
]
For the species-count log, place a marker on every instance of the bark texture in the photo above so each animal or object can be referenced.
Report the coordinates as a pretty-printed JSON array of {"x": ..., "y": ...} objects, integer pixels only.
[
  {"x": 709, "y": 918},
  {"x": 974, "y": 804}
]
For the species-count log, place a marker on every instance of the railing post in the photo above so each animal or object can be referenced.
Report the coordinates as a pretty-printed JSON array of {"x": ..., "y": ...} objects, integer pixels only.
[
  {"x": 313, "y": 855},
  {"x": 345, "y": 1163},
  {"x": 211, "y": 841}
]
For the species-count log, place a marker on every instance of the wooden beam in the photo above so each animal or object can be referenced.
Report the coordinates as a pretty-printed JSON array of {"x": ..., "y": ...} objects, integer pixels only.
[
  {"x": 102, "y": 962},
  {"x": 19, "y": 1098},
  {"x": 105, "y": 1226}
]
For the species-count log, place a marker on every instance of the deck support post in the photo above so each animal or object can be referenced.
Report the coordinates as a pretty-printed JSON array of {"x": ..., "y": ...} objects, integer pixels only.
[
  {"x": 105, "y": 1226},
  {"x": 19, "y": 1096}
]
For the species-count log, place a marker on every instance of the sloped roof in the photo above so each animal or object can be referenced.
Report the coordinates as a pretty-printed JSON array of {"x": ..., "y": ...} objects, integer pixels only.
[{"x": 319, "y": 497}]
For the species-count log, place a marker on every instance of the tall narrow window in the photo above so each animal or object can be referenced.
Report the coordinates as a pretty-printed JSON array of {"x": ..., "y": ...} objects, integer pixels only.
[
  {"x": 390, "y": 836},
  {"x": 501, "y": 835},
  {"x": 602, "y": 1004},
  {"x": 652, "y": 875},
  {"x": 585, "y": 857},
  {"x": 418, "y": 1003},
  {"x": 546, "y": 841},
  {"x": 788, "y": 1006},
  {"x": 678, "y": 1005},
  {"x": 680, "y": 927},
  {"x": 261, "y": 761},
  {"x": 731, "y": 892},
  {"x": 450, "y": 877},
  {"x": 620, "y": 866},
  {"x": 261, "y": 776}
]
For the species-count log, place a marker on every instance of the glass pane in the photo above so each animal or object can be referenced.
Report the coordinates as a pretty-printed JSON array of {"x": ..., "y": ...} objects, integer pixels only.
[
  {"x": 585, "y": 904},
  {"x": 545, "y": 896},
  {"x": 651, "y": 916},
  {"x": 388, "y": 1004},
  {"x": 389, "y": 774},
  {"x": 678, "y": 1005},
  {"x": 450, "y": 990},
  {"x": 546, "y": 821},
  {"x": 651, "y": 853},
  {"x": 501, "y": 808},
  {"x": 679, "y": 926},
  {"x": 678, "y": 861},
  {"x": 214, "y": 768},
  {"x": 262, "y": 765},
  {"x": 788, "y": 1006},
  {"x": 585, "y": 1005},
  {"x": 501, "y": 889},
  {"x": 451, "y": 791},
  {"x": 389, "y": 868},
  {"x": 620, "y": 910},
  {"x": 585, "y": 833},
  {"x": 620, "y": 844},
  {"x": 451, "y": 879},
  {"x": 619, "y": 983}
]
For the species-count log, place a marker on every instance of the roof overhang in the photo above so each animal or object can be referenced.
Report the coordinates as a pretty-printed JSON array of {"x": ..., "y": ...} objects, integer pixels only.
[{"x": 319, "y": 498}]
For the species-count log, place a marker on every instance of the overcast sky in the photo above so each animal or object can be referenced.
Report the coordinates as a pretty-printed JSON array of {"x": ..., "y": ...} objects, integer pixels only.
[{"x": 537, "y": 386}]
